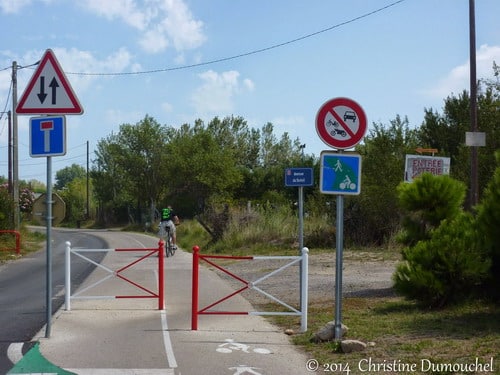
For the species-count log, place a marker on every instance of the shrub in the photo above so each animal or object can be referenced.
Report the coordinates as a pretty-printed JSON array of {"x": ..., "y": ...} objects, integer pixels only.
[
  {"x": 488, "y": 220},
  {"x": 6, "y": 209},
  {"x": 446, "y": 268},
  {"x": 427, "y": 201}
]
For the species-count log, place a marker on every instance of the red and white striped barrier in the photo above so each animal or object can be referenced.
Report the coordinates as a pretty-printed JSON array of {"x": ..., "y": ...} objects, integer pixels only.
[
  {"x": 160, "y": 294},
  {"x": 302, "y": 259}
]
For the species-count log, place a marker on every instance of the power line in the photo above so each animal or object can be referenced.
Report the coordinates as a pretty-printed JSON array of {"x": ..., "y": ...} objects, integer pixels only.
[{"x": 245, "y": 54}]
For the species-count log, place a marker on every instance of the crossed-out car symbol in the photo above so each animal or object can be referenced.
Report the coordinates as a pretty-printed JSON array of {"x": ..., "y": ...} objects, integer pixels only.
[{"x": 350, "y": 115}]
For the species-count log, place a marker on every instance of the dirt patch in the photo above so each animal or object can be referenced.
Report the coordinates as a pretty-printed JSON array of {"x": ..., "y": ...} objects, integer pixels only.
[{"x": 364, "y": 275}]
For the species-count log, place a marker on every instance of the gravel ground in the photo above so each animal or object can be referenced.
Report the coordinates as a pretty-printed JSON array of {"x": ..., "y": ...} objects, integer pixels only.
[{"x": 364, "y": 274}]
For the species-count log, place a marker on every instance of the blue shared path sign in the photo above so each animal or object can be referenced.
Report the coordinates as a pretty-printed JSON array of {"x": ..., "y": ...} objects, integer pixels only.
[
  {"x": 47, "y": 136},
  {"x": 298, "y": 177},
  {"x": 340, "y": 173}
]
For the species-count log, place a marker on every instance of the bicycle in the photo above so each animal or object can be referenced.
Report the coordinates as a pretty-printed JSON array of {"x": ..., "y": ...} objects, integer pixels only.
[{"x": 164, "y": 233}]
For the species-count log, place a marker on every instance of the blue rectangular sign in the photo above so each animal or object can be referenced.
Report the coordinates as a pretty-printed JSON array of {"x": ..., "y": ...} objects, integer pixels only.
[
  {"x": 340, "y": 173},
  {"x": 47, "y": 136},
  {"x": 298, "y": 177}
]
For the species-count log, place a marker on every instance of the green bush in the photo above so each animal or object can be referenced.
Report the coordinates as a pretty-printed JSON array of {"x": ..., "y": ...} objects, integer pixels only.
[
  {"x": 446, "y": 268},
  {"x": 444, "y": 262},
  {"x": 488, "y": 220},
  {"x": 6, "y": 209},
  {"x": 427, "y": 201}
]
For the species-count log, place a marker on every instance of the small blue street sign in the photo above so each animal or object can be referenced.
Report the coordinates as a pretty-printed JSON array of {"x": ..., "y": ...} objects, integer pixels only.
[
  {"x": 47, "y": 136},
  {"x": 298, "y": 177},
  {"x": 340, "y": 173}
]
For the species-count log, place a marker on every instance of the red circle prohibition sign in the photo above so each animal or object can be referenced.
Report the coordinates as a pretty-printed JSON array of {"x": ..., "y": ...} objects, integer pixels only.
[{"x": 341, "y": 123}]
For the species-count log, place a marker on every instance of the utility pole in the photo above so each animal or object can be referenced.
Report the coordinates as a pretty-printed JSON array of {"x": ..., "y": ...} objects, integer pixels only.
[
  {"x": 87, "y": 216},
  {"x": 10, "y": 154},
  {"x": 15, "y": 153},
  {"x": 473, "y": 105}
]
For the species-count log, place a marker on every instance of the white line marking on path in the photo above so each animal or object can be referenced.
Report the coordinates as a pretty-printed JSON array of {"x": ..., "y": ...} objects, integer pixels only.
[{"x": 172, "y": 363}]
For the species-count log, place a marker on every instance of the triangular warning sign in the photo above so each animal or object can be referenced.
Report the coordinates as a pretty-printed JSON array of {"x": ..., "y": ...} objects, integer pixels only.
[{"x": 49, "y": 92}]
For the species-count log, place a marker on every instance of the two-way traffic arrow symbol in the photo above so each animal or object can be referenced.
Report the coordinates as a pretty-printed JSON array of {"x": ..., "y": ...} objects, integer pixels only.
[{"x": 53, "y": 85}]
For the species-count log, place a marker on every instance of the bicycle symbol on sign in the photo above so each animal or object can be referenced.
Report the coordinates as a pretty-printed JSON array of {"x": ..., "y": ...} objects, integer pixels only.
[
  {"x": 347, "y": 184},
  {"x": 230, "y": 345}
]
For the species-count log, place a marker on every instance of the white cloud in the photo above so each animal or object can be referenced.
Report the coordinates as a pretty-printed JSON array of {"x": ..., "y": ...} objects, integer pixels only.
[
  {"x": 216, "y": 94},
  {"x": 179, "y": 25},
  {"x": 13, "y": 6},
  {"x": 161, "y": 23},
  {"x": 458, "y": 79},
  {"x": 125, "y": 10}
]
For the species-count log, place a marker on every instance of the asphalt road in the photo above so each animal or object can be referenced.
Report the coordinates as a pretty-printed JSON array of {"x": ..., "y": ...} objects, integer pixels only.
[{"x": 23, "y": 289}]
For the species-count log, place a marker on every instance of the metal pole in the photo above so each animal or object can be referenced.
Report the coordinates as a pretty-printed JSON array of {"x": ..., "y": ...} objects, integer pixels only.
[
  {"x": 87, "y": 216},
  {"x": 15, "y": 158},
  {"x": 161, "y": 275},
  {"x": 49, "y": 247},
  {"x": 194, "y": 293},
  {"x": 473, "y": 106},
  {"x": 301, "y": 218},
  {"x": 338, "y": 267},
  {"x": 301, "y": 231},
  {"x": 10, "y": 155},
  {"x": 67, "y": 275},
  {"x": 304, "y": 267}
]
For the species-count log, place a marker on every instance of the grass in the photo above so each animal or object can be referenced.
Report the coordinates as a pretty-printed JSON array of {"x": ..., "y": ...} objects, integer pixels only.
[{"x": 400, "y": 331}]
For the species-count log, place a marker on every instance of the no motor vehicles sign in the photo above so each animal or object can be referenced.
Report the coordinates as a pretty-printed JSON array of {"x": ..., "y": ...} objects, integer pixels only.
[{"x": 341, "y": 123}]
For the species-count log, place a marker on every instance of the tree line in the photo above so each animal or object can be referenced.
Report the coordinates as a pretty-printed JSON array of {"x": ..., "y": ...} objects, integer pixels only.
[{"x": 207, "y": 167}]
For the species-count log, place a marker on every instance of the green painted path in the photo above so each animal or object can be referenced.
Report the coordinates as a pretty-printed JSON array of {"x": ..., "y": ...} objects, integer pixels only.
[{"x": 34, "y": 363}]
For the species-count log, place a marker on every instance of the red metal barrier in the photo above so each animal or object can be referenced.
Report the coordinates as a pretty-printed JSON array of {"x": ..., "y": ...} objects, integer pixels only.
[
  {"x": 18, "y": 241},
  {"x": 195, "y": 311}
]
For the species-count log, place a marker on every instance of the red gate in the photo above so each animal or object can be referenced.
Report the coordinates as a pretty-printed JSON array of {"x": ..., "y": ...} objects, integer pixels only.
[{"x": 302, "y": 259}]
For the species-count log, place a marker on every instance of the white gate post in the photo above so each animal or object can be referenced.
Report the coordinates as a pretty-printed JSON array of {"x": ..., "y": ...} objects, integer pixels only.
[
  {"x": 304, "y": 264},
  {"x": 67, "y": 276}
]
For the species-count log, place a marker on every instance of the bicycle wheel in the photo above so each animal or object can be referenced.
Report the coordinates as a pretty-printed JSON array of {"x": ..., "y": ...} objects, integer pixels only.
[
  {"x": 170, "y": 247},
  {"x": 168, "y": 243}
]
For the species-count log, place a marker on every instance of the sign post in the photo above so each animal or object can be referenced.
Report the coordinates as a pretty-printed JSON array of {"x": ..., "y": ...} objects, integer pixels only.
[
  {"x": 341, "y": 124},
  {"x": 48, "y": 93},
  {"x": 299, "y": 177}
]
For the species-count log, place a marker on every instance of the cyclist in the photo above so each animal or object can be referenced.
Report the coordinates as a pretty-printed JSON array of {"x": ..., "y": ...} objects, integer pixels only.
[{"x": 170, "y": 219}]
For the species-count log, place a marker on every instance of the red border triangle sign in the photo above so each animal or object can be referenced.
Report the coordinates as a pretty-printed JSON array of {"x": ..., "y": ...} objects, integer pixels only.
[{"x": 49, "y": 91}]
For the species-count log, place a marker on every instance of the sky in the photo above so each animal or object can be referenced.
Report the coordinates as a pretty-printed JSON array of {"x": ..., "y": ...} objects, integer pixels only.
[{"x": 272, "y": 61}]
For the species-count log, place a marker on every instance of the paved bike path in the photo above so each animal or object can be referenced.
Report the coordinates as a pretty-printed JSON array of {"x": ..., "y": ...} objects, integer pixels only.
[{"x": 131, "y": 336}]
